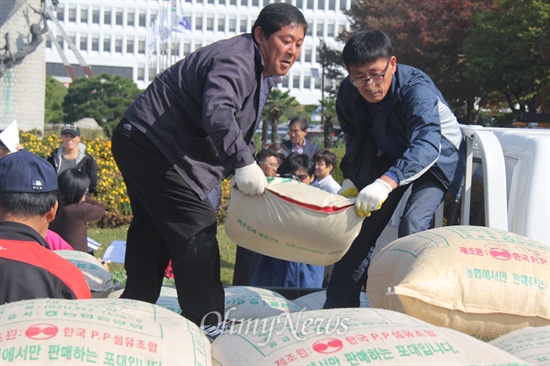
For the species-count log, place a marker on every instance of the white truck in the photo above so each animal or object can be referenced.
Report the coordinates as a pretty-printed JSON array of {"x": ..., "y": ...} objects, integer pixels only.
[{"x": 512, "y": 166}]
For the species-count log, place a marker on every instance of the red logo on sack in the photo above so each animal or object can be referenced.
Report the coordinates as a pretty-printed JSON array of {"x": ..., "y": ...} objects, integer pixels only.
[
  {"x": 328, "y": 345},
  {"x": 41, "y": 331}
]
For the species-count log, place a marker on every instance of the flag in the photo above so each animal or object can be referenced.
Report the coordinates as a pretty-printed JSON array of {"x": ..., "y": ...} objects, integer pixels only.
[{"x": 181, "y": 23}]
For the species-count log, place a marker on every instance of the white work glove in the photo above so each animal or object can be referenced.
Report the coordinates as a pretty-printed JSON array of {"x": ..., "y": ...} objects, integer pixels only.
[
  {"x": 372, "y": 197},
  {"x": 250, "y": 179},
  {"x": 348, "y": 189}
]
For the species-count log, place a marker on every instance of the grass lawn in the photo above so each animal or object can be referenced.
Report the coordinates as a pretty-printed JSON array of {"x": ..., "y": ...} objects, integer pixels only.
[{"x": 106, "y": 237}]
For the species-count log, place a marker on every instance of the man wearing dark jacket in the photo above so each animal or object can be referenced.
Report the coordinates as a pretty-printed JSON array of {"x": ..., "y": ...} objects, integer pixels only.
[
  {"x": 192, "y": 127},
  {"x": 28, "y": 202},
  {"x": 72, "y": 154},
  {"x": 297, "y": 131},
  {"x": 400, "y": 133}
]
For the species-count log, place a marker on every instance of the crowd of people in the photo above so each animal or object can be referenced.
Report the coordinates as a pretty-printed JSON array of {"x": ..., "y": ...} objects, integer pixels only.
[{"x": 193, "y": 127}]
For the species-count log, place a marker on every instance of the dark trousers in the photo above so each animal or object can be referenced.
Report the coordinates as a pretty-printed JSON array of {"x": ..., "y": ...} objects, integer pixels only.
[
  {"x": 169, "y": 222},
  {"x": 349, "y": 274},
  {"x": 245, "y": 265}
]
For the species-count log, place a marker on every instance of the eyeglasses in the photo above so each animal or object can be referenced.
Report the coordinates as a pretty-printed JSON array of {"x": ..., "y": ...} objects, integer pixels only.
[
  {"x": 374, "y": 79},
  {"x": 299, "y": 177},
  {"x": 294, "y": 131}
]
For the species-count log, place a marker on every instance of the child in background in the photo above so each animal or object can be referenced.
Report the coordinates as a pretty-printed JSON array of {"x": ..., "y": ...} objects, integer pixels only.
[
  {"x": 76, "y": 209},
  {"x": 325, "y": 161}
]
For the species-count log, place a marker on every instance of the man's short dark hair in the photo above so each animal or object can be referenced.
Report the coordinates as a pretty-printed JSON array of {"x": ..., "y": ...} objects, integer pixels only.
[
  {"x": 365, "y": 47},
  {"x": 300, "y": 121},
  {"x": 326, "y": 156},
  {"x": 295, "y": 161},
  {"x": 27, "y": 204},
  {"x": 277, "y": 15},
  {"x": 263, "y": 154}
]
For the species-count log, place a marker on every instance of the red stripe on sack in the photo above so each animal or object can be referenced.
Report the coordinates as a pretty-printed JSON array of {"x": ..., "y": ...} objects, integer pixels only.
[{"x": 326, "y": 209}]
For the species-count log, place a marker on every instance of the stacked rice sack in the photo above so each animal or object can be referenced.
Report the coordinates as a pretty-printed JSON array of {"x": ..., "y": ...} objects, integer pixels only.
[
  {"x": 481, "y": 281},
  {"x": 351, "y": 337},
  {"x": 98, "y": 331}
]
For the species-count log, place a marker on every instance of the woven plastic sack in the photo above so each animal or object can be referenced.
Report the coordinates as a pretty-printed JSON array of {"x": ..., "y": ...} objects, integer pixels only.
[
  {"x": 98, "y": 332},
  {"x": 98, "y": 279},
  {"x": 531, "y": 344},
  {"x": 481, "y": 281},
  {"x": 293, "y": 221},
  {"x": 316, "y": 300},
  {"x": 247, "y": 302},
  {"x": 351, "y": 337}
]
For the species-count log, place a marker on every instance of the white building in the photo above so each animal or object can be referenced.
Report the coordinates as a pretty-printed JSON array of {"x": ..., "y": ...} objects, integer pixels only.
[{"x": 115, "y": 36}]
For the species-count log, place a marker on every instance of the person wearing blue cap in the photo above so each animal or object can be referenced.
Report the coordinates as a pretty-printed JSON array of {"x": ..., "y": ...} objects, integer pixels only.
[{"x": 28, "y": 203}]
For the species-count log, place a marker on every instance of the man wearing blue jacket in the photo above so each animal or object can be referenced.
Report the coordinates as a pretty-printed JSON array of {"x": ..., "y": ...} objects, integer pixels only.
[
  {"x": 192, "y": 127},
  {"x": 400, "y": 133}
]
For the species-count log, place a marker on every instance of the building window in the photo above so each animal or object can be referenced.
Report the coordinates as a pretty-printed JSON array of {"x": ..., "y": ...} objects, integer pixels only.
[
  {"x": 186, "y": 48},
  {"x": 255, "y": 3},
  {"x": 331, "y": 4},
  {"x": 130, "y": 20},
  {"x": 130, "y": 46},
  {"x": 232, "y": 25},
  {"x": 233, "y": 2},
  {"x": 60, "y": 13},
  {"x": 198, "y": 23},
  {"x": 307, "y": 57},
  {"x": 221, "y": 2},
  {"x": 330, "y": 30},
  {"x": 141, "y": 46},
  {"x": 141, "y": 73},
  {"x": 307, "y": 82},
  {"x": 221, "y": 24},
  {"x": 95, "y": 16},
  {"x": 242, "y": 29},
  {"x": 342, "y": 5},
  {"x": 321, "y": 4},
  {"x": 285, "y": 81},
  {"x": 210, "y": 1},
  {"x": 300, "y": 4},
  {"x": 296, "y": 81},
  {"x": 60, "y": 41},
  {"x": 72, "y": 15},
  {"x": 341, "y": 29},
  {"x": 310, "y": 4},
  {"x": 106, "y": 44},
  {"x": 142, "y": 20},
  {"x": 210, "y": 24},
  {"x": 107, "y": 17},
  {"x": 320, "y": 27},
  {"x": 83, "y": 43},
  {"x": 118, "y": 20},
  {"x": 118, "y": 45},
  {"x": 310, "y": 29},
  {"x": 244, "y": 2},
  {"x": 95, "y": 44},
  {"x": 83, "y": 15}
]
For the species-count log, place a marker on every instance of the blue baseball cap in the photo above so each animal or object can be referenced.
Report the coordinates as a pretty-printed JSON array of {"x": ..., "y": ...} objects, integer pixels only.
[{"x": 25, "y": 172}]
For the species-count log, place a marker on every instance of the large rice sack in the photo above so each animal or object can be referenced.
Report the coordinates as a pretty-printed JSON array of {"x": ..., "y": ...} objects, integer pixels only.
[
  {"x": 481, "y": 281},
  {"x": 168, "y": 298},
  {"x": 531, "y": 344},
  {"x": 97, "y": 277},
  {"x": 98, "y": 332},
  {"x": 351, "y": 337},
  {"x": 246, "y": 302},
  {"x": 293, "y": 221}
]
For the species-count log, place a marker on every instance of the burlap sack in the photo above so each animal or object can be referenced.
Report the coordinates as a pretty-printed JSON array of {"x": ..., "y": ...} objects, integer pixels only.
[
  {"x": 97, "y": 277},
  {"x": 480, "y": 281},
  {"x": 246, "y": 302},
  {"x": 98, "y": 332},
  {"x": 351, "y": 337},
  {"x": 293, "y": 221},
  {"x": 531, "y": 344},
  {"x": 316, "y": 301}
]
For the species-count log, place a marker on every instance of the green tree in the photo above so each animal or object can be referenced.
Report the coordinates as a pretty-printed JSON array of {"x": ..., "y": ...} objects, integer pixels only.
[
  {"x": 332, "y": 69},
  {"x": 430, "y": 35},
  {"x": 103, "y": 97},
  {"x": 508, "y": 51},
  {"x": 276, "y": 105},
  {"x": 53, "y": 106}
]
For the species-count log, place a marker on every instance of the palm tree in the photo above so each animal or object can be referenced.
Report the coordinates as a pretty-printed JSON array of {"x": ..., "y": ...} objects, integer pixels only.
[{"x": 277, "y": 104}]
